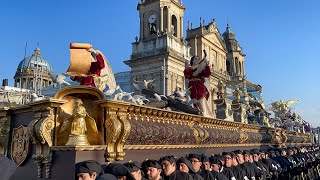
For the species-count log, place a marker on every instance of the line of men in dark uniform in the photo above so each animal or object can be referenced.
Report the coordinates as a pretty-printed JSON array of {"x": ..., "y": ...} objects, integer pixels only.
[{"x": 301, "y": 163}]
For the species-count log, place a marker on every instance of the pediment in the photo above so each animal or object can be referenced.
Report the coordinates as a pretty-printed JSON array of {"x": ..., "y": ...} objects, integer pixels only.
[{"x": 213, "y": 35}]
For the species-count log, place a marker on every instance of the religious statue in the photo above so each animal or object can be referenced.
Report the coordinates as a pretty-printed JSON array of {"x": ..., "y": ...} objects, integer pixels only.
[
  {"x": 281, "y": 107},
  {"x": 236, "y": 93},
  {"x": 197, "y": 74},
  {"x": 99, "y": 72},
  {"x": 79, "y": 121},
  {"x": 221, "y": 90}
]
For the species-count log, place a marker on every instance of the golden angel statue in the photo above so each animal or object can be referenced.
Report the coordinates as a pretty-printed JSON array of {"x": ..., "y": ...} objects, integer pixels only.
[{"x": 79, "y": 121}]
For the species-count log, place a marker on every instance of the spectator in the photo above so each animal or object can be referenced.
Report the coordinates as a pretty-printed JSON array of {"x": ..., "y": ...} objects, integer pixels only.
[{"x": 88, "y": 170}]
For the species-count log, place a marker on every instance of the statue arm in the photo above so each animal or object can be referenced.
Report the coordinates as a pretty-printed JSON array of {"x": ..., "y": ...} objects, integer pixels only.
[
  {"x": 187, "y": 73},
  {"x": 206, "y": 71},
  {"x": 99, "y": 64}
]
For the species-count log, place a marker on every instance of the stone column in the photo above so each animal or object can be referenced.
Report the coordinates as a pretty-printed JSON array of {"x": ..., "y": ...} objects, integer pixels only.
[
  {"x": 161, "y": 19},
  {"x": 181, "y": 27},
  {"x": 141, "y": 26}
]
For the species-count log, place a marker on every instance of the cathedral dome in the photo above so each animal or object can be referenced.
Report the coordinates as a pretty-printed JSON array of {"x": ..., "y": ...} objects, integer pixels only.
[
  {"x": 228, "y": 31},
  {"x": 33, "y": 73},
  {"x": 33, "y": 60}
]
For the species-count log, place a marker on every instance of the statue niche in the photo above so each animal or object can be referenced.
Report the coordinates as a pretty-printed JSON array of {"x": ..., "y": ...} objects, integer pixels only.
[{"x": 78, "y": 123}]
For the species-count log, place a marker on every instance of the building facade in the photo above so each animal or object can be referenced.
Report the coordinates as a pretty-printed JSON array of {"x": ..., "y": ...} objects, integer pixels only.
[{"x": 161, "y": 51}]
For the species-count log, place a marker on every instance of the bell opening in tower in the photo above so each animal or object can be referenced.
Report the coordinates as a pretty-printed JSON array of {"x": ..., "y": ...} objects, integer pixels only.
[{"x": 174, "y": 25}]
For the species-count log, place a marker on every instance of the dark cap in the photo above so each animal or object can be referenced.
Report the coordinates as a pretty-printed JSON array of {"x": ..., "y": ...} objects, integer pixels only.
[
  {"x": 255, "y": 151},
  {"x": 246, "y": 152},
  {"x": 196, "y": 156},
  {"x": 118, "y": 170},
  {"x": 151, "y": 163},
  {"x": 231, "y": 154},
  {"x": 204, "y": 158},
  {"x": 171, "y": 159},
  {"x": 219, "y": 157},
  {"x": 88, "y": 167},
  {"x": 133, "y": 166},
  {"x": 215, "y": 160},
  {"x": 262, "y": 151},
  {"x": 238, "y": 152},
  {"x": 106, "y": 177},
  {"x": 187, "y": 163}
]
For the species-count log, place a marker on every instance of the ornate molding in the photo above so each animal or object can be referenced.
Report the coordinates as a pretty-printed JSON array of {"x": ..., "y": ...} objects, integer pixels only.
[
  {"x": 189, "y": 146},
  {"x": 79, "y": 148}
]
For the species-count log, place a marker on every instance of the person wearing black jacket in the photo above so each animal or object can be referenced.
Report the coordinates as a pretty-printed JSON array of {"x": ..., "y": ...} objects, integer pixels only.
[
  {"x": 273, "y": 167},
  {"x": 232, "y": 164},
  {"x": 169, "y": 169},
  {"x": 259, "y": 164},
  {"x": 216, "y": 166},
  {"x": 197, "y": 165},
  {"x": 152, "y": 169},
  {"x": 185, "y": 165},
  {"x": 247, "y": 169}
]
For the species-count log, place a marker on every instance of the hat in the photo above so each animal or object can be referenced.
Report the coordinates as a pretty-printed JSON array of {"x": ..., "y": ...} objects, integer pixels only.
[
  {"x": 246, "y": 152},
  {"x": 214, "y": 160},
  {"x": 106, "y": 177},
  {"x": 255, "y": 151},
  {"x": 238, "y": 152},
  {"x": 151, "y": 163},
  {"x": 219, "y": 157},
  {"x": 133, "y": 166},
  {"x": 171, "y": 159},
  {"x": 117, "y": 170},
  {"x": 228, "y": 154},
  {"x": 188, "y": 163},
  {"x": 88, "y": 167},
  {"x": 196, "y": 156},
  {"x": 204, "y": 158},
  {"x": 262, "y": 151}
]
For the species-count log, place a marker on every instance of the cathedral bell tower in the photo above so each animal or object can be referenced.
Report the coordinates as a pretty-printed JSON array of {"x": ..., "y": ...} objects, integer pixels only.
[
  {"x": 235, "y": 55},
  {"x": 160, "y": 52}
]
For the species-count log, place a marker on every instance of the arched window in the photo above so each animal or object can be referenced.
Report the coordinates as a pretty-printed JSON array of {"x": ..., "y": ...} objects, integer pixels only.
[
  {"x": 240, "y": 68},
  {"x": 174, "y": 27}
]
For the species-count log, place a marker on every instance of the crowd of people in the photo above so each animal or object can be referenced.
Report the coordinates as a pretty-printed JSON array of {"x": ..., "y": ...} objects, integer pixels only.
[{"x": 285, "y": 163}]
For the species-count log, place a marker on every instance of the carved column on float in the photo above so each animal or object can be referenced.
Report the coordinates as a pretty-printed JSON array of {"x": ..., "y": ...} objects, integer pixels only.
[
  {"x": 117, "y": 128},
  {"x": 40, "y": 130},
  {"x": 125, "y": 132}
]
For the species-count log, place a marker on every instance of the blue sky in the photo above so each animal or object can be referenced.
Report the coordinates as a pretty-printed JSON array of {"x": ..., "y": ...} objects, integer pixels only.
[{"x": 279, "y": 37}]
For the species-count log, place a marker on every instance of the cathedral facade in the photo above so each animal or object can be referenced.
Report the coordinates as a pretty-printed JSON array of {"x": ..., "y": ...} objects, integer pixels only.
[{"x": 162, "y": 52}]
